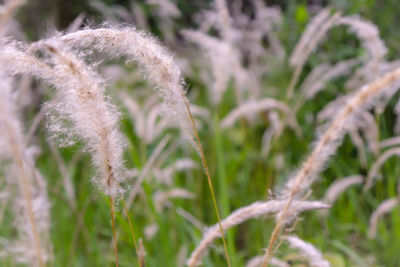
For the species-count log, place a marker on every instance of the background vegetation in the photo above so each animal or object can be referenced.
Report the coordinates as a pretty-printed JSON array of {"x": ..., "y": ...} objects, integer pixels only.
[{"x": 81, "y": 235}]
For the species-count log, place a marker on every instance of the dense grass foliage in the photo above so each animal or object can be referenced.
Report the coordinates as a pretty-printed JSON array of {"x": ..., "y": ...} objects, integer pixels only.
[{"x": 101, "y": 100}]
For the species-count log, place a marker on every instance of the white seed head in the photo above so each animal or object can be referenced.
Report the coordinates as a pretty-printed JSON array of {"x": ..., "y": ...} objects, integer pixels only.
[{"x": 312, "y": 254}]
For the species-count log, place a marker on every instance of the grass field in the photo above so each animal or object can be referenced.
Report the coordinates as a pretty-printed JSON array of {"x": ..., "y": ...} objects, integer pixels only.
[{"x": 243, "y": 59}]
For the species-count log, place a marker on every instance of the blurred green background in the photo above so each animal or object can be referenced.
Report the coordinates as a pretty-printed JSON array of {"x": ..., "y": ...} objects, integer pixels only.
[{"x": 82, "y": 236}]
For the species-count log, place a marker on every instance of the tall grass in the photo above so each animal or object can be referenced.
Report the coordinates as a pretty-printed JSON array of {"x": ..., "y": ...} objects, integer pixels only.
[{"x": 246, "y": 109}]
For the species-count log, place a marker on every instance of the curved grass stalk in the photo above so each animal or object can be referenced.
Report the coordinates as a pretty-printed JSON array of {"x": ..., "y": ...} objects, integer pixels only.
[
  {"x": 385, "y": 207},
  {"x": 377, "y": 164},
  {"x": 310, "y": 252},
  {"x": 326, "y": 147},
  {"x": 252, "y": 211},
  {"x": 161, "y": 69},
  {"x": 83, "y": 103},
  {"x": 312, "y": 43},
  {"x": 14, "y": 143}
]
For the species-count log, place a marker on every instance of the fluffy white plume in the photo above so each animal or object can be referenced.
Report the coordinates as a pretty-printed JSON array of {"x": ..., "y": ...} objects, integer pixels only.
[
  {"x": 222, "y": 62},
  {"x": 315, "y": 33},
  {"x": 373, "y": 172},
  {"x": 313, "y": 255},
  {"x": 150, "y": 56},
  {"x": 327, "y": 145},
  {"x": 308, "y": 34},
  {"x": 339, "y": 186},
  {"x": 339, "y": 69},
  {"x": 31, "y": 205},
  {"x": 383, "y": 208},
  {"x": 81, "y": 100},
  {"x": 368, "y": 33}
]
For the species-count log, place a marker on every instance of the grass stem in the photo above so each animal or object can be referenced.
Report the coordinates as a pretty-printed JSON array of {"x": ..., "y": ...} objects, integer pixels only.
[
  {"x": 113, "y": 228},
  {"x": 132, "y": 232}
]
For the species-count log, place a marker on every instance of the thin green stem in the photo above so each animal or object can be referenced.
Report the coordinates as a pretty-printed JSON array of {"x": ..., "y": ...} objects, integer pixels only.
[
  {"x": 207, "y": 173},
  {"x": 132, "y": 231},
  {"x": 113, "y": 228},
  {"x": 222, "y": 179}
]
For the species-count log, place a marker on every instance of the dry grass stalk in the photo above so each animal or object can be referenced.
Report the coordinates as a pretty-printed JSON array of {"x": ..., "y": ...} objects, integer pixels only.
[
  {"x": 313, "y": 255},
  {"x": 377, "y": 164},
  {"x": 161, "y": 197},
  {"x": 364, "y": 129},
  {"x": 138, "y": 252},
  {"x": 368, "y": 33},
  {"x": 257, "y": 261},
  {"x": 224, "y": 53},
  {"x": 306, "y": 51},
  {"x": 255, "y": 106},
  {"x": 241, "y": 215},
  {"x": 94, "y": 119},
  {"x": 190, "y": 218},
  {"x": 95, "y": 122},
  {"x": 83, "y": 103},
  {"x": 327, "y": 145},
  {"x": 357, "y": 140},
  {"x": 219, "y": 52},
  {"x": 142, "y": 253},
  {"x": 161, "y": 69},
  {"x": 146, "y": 170},
  {"x": 67, "y": 183},
  {"x": 224, "y": 20},
  {"x": 370, "y": 130},
  {"x": 307, "y": 35},
  {"x": 32, "y": 216},
  {"x": 339, "y": 186},
  {"x": 152, "y": 57},
  {"x": 8, "y": 10},
  {"x": 383, "y": 208},
  {"x": 274, "y": 130},
  {"x": 165, "y": 175},
  {"x": 393, "y": 141},
  {"x": 320, "y": 76}
]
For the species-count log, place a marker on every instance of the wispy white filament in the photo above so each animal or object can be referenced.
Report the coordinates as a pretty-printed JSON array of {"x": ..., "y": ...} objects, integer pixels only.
[
  {"x": 82, "y": 101},
  {"x": 152, "y": 57}
]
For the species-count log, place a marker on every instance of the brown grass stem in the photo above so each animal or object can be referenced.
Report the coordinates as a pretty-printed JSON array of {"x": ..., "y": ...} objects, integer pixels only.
[
  {"x": 113, "y": 228},
  {"x": 25, "y": 188},
  {"x": 207, "y": 173},
  {"x": 327, "y": 145},
  {"x": 132, "y": 231}
]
